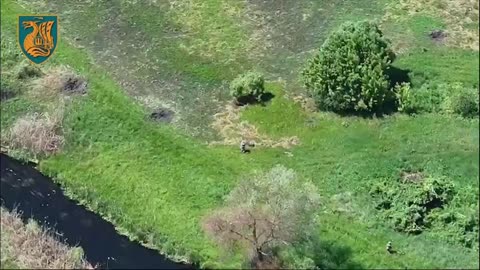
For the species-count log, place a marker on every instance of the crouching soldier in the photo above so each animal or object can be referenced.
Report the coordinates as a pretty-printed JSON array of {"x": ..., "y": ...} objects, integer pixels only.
[
  {"x": 389, "y": 247},
  {"x": 243, "y": 146}
]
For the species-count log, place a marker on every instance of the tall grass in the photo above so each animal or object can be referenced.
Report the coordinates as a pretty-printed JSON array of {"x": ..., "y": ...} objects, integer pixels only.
[
  {"x": 29, "y": 246},
  {"x": 38, "y": 133}
]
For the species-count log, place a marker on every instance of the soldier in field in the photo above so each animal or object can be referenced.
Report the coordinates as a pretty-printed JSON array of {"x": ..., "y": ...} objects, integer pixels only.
[{"x": 244, "y": 144}]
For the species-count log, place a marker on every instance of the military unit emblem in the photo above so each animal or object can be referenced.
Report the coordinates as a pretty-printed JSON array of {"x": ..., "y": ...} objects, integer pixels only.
[{"x": 38, "y": 36}]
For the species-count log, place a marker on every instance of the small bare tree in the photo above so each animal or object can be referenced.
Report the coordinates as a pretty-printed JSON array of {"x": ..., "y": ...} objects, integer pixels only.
[{"x": 270, "y": 210}]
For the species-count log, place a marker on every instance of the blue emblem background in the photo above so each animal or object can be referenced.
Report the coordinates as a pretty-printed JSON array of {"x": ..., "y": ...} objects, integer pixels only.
[{"x": 22, "y": 33}]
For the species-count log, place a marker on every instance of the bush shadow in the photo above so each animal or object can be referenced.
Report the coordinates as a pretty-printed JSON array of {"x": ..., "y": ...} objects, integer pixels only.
[
  {"x": 327, "y": 254},
  {"x": 397, "y": 75},
  {"x": 252, "y": 100}
]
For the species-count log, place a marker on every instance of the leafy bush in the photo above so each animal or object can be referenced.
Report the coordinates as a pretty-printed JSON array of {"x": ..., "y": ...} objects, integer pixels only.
[
  {"x": 403, "y": 95},
  {"x": 450, "y": 98},
  {"x": 415, "y": 205},
  {"x": 454, "y": 226},
  {"x": 426, "y": 99},
  {"x": 407, "y": 205},
  {"x": 349, "y": 72},
  {"x": 248, "y": 87},
  {"x": 461, "y": 100}
]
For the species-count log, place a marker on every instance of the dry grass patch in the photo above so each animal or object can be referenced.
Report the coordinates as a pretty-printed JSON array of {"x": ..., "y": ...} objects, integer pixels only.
[
  {"x": 29, "y": 246},
  {"x": 56, "y": 81},
  {"x": 460, "y": 16},
  {"x": 233, "y": 130},
  {"x": 38, "y": 133}
]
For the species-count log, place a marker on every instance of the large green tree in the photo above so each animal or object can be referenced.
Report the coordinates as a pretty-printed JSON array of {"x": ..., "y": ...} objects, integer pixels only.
[{"x": 349, "y": 72}]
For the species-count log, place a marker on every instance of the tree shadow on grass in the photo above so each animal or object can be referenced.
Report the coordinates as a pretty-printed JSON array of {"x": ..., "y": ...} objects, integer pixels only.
[
  {"x": 398, "y": 75},
  {"x": 327, "y": 254},
  {"x": 330, "y": 255}
]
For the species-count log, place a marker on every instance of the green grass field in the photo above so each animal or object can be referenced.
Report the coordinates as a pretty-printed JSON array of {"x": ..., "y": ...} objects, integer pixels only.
[{"x": 155, "y": 182}]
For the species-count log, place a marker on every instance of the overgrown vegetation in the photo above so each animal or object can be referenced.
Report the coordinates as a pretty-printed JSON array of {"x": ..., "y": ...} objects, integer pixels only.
[
  {"x": 29, "y": 246},
  {"x": 267, "y": 212},
  {"x": 449, "y": 98},
  {"x": 37, "y": 133},
  {"x": 349, "y": 72},
  {"x": 248, "y": 88},
  {"x": 417, "y": 203}
]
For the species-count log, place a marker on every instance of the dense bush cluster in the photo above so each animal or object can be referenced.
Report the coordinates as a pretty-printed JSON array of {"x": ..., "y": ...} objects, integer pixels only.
[
  {"x": 448, "y": 98},
  {"x": 248, "y": 87},
  {"x": 415, "y": 206},
  {"x": 348, "y": 74}
]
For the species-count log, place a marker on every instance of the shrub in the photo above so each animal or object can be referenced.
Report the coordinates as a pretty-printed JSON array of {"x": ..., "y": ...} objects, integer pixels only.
[
  {"x": 403, "y": 95},
  {"x": 248, "y": 87},
  {"x": 450, "y": 98},
  {"x": 266, "y": 212},
  {"x": 426, "y": 99},
  {"x": 461, "y": 100},
  {"x": 407, "y": 206},
  {"x": 349, "y": 72},
  {"x": 37, "y": 134}
]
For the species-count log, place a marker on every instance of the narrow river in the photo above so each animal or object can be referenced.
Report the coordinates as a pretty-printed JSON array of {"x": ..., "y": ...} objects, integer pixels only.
[{"x": 38, "y": 197}]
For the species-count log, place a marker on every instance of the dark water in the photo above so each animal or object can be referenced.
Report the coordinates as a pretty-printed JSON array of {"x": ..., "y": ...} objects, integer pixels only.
[{"x": 35, "y": 195}]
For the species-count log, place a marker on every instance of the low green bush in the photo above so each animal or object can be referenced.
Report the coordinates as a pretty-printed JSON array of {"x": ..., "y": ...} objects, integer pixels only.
[
  {"x": 248, "y": 87},
  {"x": 432, "y": 203},
  {"x": 461, "y": 100},
  {"x": 426, "y": 99},
  {"x": 406, "y": 206},
  {"x": 448, "y": 98}
]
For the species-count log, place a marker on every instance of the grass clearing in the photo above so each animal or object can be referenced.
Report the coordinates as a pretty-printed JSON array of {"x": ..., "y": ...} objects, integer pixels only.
[{"x": 155, "y": 182}]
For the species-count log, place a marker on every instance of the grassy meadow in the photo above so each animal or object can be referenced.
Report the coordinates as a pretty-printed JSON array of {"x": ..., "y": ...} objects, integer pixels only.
[{"x": 156, "y": 182}]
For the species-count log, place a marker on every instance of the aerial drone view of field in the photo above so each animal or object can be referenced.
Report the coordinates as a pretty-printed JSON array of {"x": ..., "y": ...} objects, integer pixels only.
[{"x": 251, "y": 133}]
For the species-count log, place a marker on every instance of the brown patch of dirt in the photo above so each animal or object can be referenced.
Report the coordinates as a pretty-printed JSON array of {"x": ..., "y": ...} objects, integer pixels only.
[
  {"x": 412, "y": 177},
  {"x": 233, "y": 130},
  {"x": 57, "y": 81},
  {"x": 162, "y": 115},
  {"x": 438, "y": 36},
  {"x": 75, "y": 85}
]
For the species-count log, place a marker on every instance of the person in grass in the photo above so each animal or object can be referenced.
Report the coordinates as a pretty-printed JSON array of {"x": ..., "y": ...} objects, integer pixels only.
[
  {"x": 243, "y": 147},
  {"x": 244, "y": 144}
]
